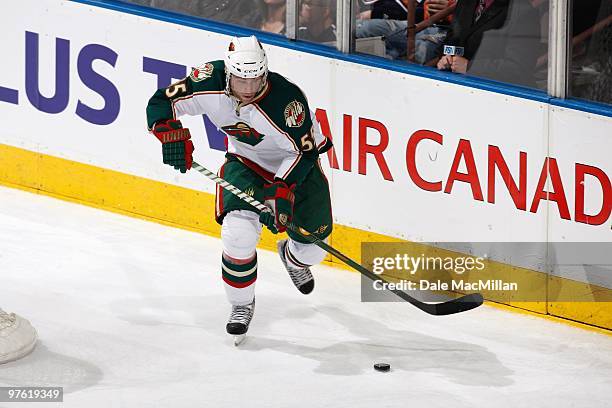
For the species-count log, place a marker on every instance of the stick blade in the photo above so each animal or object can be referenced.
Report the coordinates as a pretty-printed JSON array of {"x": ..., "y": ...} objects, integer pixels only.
[{"x": 462, "y": 304}]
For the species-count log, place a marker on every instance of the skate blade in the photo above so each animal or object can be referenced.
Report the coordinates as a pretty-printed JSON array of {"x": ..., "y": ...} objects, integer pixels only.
[{"x": 239, "y": 339}]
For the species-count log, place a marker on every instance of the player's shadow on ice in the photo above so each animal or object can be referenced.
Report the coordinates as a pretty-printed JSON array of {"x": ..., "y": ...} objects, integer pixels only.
[
  {"x": 460, "y": 362},
  {"x": 406, "y": 351},
  {"x": 207, "y": 313},
  {"x": 45, "y": 368}
]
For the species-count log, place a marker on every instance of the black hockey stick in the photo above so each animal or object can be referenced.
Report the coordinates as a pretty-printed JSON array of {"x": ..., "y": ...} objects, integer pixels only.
[{"x": 461, "y": 304}]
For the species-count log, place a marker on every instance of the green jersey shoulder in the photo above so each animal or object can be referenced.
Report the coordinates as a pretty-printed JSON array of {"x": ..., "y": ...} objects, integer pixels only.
[
  {"x": 286, "y": 105},
  {"x": 206, "y": 78}
]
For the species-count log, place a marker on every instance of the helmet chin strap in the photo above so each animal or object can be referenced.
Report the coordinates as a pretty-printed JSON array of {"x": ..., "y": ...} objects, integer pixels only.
[{"x": 228, "y": 89}]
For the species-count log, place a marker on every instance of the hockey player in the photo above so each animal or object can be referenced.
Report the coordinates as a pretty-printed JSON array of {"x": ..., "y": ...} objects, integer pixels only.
[{"x": 273, "y": 147}]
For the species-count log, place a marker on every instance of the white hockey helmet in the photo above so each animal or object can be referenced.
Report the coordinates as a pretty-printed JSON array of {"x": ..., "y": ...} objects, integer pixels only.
[{"x": 246, "y": 58}]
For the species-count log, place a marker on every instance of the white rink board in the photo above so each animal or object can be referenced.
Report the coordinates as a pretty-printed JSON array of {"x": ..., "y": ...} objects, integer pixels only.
[
  {"x": 403, "y": 104},
  {"x": 67, "y": 135},
  {"x": 406, "y": 210}
]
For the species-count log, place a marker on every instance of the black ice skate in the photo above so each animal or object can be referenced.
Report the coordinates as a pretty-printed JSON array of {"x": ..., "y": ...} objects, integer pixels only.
[
  {"x": 239, "y": 321},
  {"x": 302, "y": 277}
]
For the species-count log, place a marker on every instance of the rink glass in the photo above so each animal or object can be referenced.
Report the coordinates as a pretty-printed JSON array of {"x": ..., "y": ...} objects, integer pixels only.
[
  {"x": 590, "y": 49},
  {"x": 514, "y": 49}
]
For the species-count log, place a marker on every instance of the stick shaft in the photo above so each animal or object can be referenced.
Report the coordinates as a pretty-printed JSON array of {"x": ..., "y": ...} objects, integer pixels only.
[{"x": 461, "y": 304}]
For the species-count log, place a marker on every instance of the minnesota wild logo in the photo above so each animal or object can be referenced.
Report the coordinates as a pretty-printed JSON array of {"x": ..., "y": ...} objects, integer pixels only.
[
  {"x": 294, "y": 114},
  {"x": 244, "y": 133},
  {"x": 201, "y": 73}
]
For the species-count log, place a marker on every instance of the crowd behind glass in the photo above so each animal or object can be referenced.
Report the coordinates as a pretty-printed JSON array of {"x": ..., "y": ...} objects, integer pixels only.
[{"x": 503, "y": 40}]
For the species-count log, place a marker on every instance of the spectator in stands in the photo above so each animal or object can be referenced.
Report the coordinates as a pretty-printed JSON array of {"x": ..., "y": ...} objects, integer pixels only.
[
  {"x": 591, "y": 74},
  {"x": 430, "y": 40},
  {"x": 237, "y": 12},
  {"x": 388, "y": 19},
  {"x": 316, "y": 21},
  {"x": 272, "y": 14},
  {"x": 388, "y": 9},
  {"x": 501, "y": 40}
]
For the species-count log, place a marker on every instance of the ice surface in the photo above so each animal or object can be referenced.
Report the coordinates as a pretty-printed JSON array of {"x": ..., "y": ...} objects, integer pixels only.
[{"x": 132, "y": 314}]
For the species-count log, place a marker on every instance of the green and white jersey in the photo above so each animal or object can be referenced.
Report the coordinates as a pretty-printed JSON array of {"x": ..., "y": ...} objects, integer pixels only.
[{"x": 276, "y": 135}]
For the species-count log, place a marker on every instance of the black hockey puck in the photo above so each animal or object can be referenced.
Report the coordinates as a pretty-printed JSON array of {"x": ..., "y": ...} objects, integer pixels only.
[{"x": 383, "y": 367}]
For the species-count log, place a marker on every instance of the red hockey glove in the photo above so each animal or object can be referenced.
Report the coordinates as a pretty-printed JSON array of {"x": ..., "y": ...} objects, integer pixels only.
[
  {"x": 177, "y": 148},
  {"x": 279, "y": 197}
]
